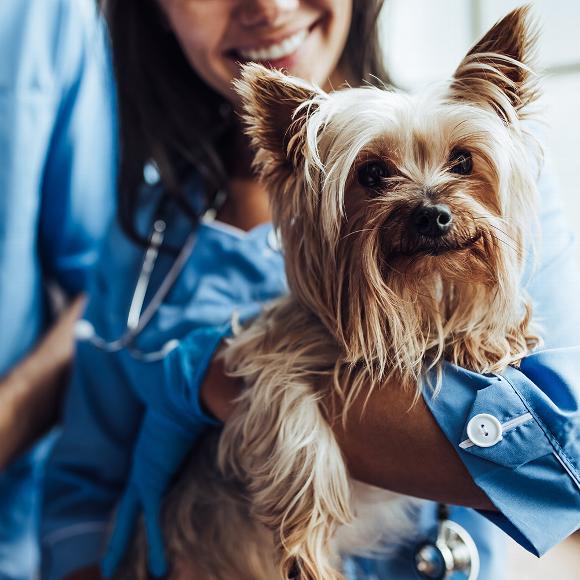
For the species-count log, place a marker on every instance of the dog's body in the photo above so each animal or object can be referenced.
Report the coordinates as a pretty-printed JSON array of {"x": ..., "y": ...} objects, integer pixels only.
[
  {"x": 404, "y": 221},
  {"x": 218, "y": 519}
]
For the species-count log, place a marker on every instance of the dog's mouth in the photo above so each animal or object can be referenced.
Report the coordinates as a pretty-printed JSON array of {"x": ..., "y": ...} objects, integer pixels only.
[
  {"x": 444, "y": 246},
  {"x": 434, "y": 247}
]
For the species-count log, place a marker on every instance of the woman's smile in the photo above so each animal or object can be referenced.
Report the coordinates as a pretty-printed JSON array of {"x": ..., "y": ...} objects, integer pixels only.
[
  {"x": 282, "y": 50},
  {"x": 305, "y": 38}
]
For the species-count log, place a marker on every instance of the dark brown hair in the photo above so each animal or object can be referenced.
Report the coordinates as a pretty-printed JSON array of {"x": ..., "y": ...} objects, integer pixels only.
[{"x": 170, "y": 116}]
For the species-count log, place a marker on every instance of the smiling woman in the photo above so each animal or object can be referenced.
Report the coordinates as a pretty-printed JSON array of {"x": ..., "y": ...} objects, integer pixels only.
[
  {"x": 130, "y": 424},
  {"x": 307, "y": 38}
]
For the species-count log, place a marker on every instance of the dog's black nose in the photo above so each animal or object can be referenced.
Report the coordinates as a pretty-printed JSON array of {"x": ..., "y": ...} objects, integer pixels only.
[{"x": 433, "y": 221}]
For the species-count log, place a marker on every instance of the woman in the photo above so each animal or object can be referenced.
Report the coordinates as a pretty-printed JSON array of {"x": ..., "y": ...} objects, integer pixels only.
[{"x": 133, "y": 410}]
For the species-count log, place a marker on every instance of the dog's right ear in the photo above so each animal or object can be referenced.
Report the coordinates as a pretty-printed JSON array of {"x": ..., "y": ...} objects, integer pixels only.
[{"x": 276, "y": 107}]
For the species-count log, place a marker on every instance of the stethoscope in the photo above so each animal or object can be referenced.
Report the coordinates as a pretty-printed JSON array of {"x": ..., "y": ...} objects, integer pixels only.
[
  {"x": 138, "y": 317},
  {"x": 453, "y": 551}
]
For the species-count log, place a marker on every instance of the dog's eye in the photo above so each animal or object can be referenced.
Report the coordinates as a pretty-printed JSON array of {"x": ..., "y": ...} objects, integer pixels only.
[
  {"x": 371, "y": 174},
  {"x": 461, "y": 162}
]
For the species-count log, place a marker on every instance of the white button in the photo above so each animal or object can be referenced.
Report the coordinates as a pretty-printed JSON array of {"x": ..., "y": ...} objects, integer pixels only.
[{"x": 484, "y": 430}]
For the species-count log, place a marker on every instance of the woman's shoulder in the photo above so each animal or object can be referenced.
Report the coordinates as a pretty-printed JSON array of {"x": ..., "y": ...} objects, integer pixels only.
[{"x": 47, "y": 41}]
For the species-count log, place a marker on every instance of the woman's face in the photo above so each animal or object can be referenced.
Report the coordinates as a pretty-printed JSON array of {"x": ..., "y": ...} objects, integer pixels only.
[{"x": 304, "y": 37}]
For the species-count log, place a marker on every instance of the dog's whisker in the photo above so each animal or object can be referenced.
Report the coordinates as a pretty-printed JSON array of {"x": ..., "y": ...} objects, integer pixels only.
[
  {"x": 508, "y": 236},
  {"x": 519, "y": 253},
  {"x": 356, "y": 232},
  {"x": 492, "y": 218}
]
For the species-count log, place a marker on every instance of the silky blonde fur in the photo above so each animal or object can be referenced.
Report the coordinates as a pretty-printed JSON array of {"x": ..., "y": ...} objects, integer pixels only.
[{"x": 370, "y": 302}]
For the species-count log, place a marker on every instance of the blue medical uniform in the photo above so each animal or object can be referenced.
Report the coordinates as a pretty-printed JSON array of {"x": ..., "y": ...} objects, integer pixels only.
[
  {"x": 531, "y": 475},
  {"x": 56, "y": 120}
]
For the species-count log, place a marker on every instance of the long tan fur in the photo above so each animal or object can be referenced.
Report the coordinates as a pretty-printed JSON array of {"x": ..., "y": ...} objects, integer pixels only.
[{"x": 370, "y": 303}]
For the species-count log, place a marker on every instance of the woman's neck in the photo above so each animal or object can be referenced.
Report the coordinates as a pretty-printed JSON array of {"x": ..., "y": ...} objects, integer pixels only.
[{"x": 247, "y": 204}]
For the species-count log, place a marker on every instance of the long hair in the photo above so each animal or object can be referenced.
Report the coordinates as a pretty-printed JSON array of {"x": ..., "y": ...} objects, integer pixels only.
[{"x": 170, "y": 116}]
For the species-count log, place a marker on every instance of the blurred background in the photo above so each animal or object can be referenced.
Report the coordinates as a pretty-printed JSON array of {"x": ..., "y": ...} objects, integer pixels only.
[{"x": 427, "y": 49}]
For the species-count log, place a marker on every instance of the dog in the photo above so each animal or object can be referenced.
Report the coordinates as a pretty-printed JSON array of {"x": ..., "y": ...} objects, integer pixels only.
[{"x": 405, "y": 222}]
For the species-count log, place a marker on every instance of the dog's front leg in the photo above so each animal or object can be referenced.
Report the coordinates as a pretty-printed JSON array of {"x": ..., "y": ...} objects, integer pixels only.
[{"x": 280, "y": 445}]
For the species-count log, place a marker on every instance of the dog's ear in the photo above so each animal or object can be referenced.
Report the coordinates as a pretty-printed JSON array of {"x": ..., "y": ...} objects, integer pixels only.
[
  {"x": 276, "y": 107},
  {"x": 496, "y": 71}
]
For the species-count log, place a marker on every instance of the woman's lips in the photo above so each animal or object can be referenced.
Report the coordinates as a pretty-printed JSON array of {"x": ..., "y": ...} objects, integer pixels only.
[
  {"x": 282, "y": 54},
  {"x": 275, "y": 51}
]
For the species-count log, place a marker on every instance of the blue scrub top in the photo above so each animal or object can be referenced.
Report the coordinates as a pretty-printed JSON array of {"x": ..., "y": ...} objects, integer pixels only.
[
  {"x": 57, "y": 184},
  {"x": 532, "y": 475}
]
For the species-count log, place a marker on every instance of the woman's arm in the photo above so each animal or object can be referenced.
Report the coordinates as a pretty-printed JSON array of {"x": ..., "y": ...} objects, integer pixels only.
[
  {"x": 30, "y": 395},
  {"x": 407, "y": 453}
]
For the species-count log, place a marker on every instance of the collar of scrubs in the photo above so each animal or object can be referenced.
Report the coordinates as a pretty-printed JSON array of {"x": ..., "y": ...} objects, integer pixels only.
[{"x": 215, "y": 249}]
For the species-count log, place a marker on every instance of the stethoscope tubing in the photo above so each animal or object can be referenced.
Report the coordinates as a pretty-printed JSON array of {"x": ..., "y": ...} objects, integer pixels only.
[{"x": 137, "y": 317}]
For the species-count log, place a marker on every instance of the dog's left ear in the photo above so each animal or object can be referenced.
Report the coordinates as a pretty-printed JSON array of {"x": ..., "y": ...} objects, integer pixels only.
[
  {"x": 496, "y": 71},
  {"x": 272, "y": 113}
]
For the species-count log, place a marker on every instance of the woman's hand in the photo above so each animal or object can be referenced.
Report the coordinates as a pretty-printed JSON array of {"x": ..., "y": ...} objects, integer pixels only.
[
  {"x": 389, "y": 444},
  {"x": 30, "y": 394}
]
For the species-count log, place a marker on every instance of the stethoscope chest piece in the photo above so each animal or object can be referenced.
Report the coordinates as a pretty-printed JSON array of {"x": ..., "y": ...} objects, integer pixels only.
[{"x": 453, "y": 553}]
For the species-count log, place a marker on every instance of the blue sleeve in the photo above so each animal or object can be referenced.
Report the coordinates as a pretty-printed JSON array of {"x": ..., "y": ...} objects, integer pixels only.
[
  {"x": 532, "y": 472},
  {"x": 89, "y": 464},
  {"x": 78, "y": 181}
]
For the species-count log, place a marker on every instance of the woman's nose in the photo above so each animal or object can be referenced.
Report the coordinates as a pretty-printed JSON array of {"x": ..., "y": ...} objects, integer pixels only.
[{"x": 255, "y": 13}]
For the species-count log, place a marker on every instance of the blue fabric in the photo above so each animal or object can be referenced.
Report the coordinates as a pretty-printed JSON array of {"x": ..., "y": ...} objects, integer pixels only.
[
  {"x": 56, "y": 118},
  {"x": 118, "y": 406},
  {"x": 169, "y": 430},
  {"x": 161, "y": 447},
  {"x": 173, "y": 421},
  {"x": 228, "y": 269}
]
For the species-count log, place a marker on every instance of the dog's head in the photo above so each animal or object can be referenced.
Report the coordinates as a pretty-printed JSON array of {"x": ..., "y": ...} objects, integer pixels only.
[{"x": 403, "y": 218}]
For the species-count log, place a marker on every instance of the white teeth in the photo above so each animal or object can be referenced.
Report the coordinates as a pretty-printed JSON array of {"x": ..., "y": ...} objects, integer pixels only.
[{"x": 276, "y": 51}]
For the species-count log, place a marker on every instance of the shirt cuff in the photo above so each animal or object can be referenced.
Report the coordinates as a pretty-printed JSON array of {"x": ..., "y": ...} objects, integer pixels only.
[
  {"x": 72, "y": 548},
  {"x": 186, "y": 367},
  {"x": 521, "y": 471}
]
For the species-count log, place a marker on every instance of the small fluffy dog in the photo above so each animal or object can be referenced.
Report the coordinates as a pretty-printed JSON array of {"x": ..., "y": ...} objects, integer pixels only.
[{"x": 404, "y": 221}]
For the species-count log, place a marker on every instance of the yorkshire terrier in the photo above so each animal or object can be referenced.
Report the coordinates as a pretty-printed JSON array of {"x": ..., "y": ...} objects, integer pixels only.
[{"x": 405, "y": 222}]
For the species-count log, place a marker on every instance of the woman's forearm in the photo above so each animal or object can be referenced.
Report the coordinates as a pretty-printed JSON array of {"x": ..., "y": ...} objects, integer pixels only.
[
  {"x": 399, "y": 446},
  {"x": 30, "y": 393},
  {"x": 391, "y": 444}
]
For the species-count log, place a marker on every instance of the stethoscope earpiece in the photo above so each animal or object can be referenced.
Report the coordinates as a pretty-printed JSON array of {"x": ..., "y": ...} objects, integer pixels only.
[{"x": 453, "y": 552}]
